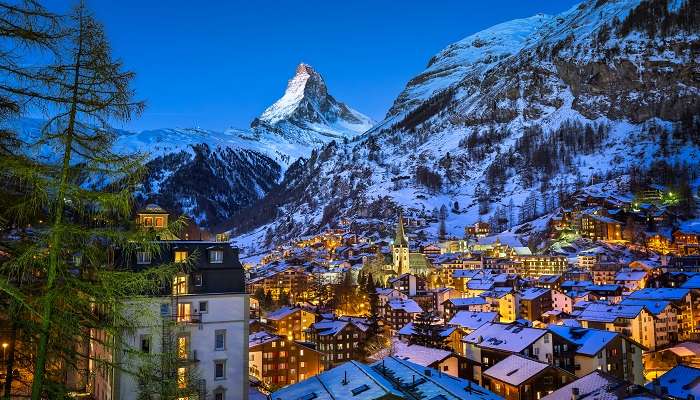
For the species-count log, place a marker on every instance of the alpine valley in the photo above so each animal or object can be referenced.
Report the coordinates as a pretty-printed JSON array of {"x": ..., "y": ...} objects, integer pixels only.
[{"x": 502, "y": 126}]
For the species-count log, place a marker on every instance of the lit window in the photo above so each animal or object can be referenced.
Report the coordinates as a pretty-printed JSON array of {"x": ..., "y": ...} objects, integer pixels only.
[
  {"x": 147, "y": 221},
  {"x": 182, "y": 377},
  {"x": 159, "y": 222},
  {"x": 180, "y": 284},
  {"x": 143, "y": 257},
  {"x": 216, "y": 256},
  {"x": 180, "y": 256},
  {"x": 182, "y": 347}
]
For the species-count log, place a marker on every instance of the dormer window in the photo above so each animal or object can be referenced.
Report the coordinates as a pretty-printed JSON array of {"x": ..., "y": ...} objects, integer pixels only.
[
  {"x": 216, "y": 256},
  {"x": 180, "y": 256}
]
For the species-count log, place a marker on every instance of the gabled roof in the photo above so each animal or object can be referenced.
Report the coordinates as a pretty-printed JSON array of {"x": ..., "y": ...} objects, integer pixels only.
[
  {"x": 466, "y": 301},
  {"x": 630, "y": 276},
  {"x": 655, "y": 307},
  {"x": 672, "y": 294},
  {"x": 512, "y": 338},
  {"x": 421, "y": 355},
  {"x": 329, "y": 385},
  {"x": 472, "y": 320},
  {"x": 281, "y": 313},
  {"x": 598, "y": 312},
  {"x": 589, "y": 341},
  {"x": 407, "y": 305},
  {"x": 686, "y": 349},
  {"x": 516, "y": 369},
  {"x": 692, "y": 283},
  {"x": 329, "y": 327},
  {"x": 595, "y": 386},
  {"x": 262, "y": 337},
  {"x": 532, "y": 293}
]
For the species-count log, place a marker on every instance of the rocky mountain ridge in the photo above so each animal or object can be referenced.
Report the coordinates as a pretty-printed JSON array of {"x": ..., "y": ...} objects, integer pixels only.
[{"x": 512, "y": 118}]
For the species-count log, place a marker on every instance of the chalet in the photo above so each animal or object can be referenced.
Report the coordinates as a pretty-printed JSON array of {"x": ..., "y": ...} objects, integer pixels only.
[
  {"x": 686, "y": 302},
  {"x": 633, "y": 321},
  {"x": 534, "y": 302},
  {"x": 604, "y": 272},
  {"x": 290, "y": 322},
  {"x": 278, "y": 361},
  {"x": 454, "y": 305},
  {"x": 408, "y": 284},
  {"x": 600, "y": 227},
  {"x": 565, "y": 301},
  {"x": 472, "y": 320},
  {"x": 549, "y": 281},
  {"x": 599, "y": 385},
  {"x": 338, "y": 341},
  {"x": 399, "y": 312},
  {"x": 522, "y": 378},
  {"x": 631, "y": 280},
  {"x": 493, "y": 342},
  {"x": 600, "y": 350}
]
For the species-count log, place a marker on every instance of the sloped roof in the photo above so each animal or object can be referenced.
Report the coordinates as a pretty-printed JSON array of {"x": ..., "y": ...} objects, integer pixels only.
[
  {"x": 595, "y": 386},
  {"x": 681, "y": 381},
  {"x": 281, "y": 313},
  {"x": 609, "y": 313},
  {"x": 506, "y": 337},
  {"x": 589, "y": 341},
  {"x": 515, "y": 369},
  {"x": 472, "y": 320}
]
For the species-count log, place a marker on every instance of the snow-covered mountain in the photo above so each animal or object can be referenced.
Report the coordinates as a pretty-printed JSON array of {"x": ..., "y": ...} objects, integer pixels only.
[
  {"x": 210, "y": 175},
  {"x": 514, "y": 118},
  {"x": 307, "y": 115}
]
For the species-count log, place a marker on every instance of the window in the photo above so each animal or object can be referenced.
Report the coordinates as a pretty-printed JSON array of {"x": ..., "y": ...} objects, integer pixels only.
[
  {"x": 143, "y": 257},
  {"x": 216, "y": 256},
  {"x": 180, "y": 256},
  {"x": 182, "y": 377},
  {"x": 203, "y": 307},
  {"x": 220, "y": 369},
  {"x": 159, "y": 222},
  {"x": 301, "y": 352},
  {"x": 146, "y": 343},
  {"x": 220, "y": 339},
  {"x": 197, "y": 279},
  {"x": 219, "y": 395},
  {"x": 147, "y": 221},
  {"x": 445, "y": 367},
  {"x": 180, "y": 284},
  {"x": 182, "y": 347}
]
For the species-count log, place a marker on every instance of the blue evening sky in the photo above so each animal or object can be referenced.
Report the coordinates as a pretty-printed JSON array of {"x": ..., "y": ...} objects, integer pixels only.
[{"x": 216, "y": 64}]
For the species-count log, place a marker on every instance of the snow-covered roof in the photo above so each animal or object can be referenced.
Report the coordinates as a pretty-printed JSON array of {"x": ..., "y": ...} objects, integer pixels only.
[
  {"x": 673, "y": 294},
  {"x": 466, "y": 301},
  {"x": 630, "y": 276},
  {"x": 351, "y": 380},
  {"x": 506, "y": 337},
  {"x": 408, "y": 305},
  {"x": 532, "y": 293},
  {"x": 692, "y": 283},
  {"x": 686, "y": 349},
  {"x": 431, "y": 383},
  {"x": 329, "y": 327},
  {"x": 598, "y": 312},
  {"x": 472, "y": 320},
  {"x": 595, "y": 386},
  {"x": 515, "y": 369},
  {"x": 421, "y": 355},
  {"x": 465, "y": 273},
  {"x": 680, "y": 382},
  {"x": 589, "y": 341},
  {"x": 262, "y": 337},
  {"x": 655, "y": 307},
  {"x": 281, "y": 313}
]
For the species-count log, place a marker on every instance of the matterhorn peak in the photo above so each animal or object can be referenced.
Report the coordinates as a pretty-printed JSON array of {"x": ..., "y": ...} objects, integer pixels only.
[{"x": 306, "y": 113}]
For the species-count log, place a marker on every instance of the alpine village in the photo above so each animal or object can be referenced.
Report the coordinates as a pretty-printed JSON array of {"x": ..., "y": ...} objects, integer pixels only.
[{"x": 522, "y": 224}]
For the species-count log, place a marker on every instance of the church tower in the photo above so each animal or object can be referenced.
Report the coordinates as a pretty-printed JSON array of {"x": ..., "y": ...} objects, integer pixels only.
[{"x": 400, "y": 250}]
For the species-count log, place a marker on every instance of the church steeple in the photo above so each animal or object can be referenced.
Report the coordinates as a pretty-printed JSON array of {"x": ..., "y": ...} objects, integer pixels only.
[{"x": 400, "y": 239}]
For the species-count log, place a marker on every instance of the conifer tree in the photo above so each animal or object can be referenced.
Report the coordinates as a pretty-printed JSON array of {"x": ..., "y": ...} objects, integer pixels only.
[{"x": 71, "y": 210}]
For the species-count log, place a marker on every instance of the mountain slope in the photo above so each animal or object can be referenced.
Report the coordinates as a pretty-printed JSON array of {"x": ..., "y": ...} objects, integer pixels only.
[
  {"x": 515, "y": 118},
  {"x": 308, "y": 115}
]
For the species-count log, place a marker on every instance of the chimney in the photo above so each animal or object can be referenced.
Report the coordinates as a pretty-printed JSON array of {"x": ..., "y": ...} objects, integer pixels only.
[
  {"x": 575, "y": 392},
  {"x": 345, "y": 378}
]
